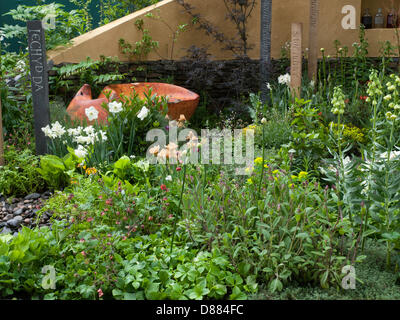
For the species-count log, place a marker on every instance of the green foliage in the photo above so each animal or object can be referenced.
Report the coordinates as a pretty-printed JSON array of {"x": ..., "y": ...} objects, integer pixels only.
[
  {"x": 19, "y": 176},
  {"x": 141, "y": 48},
  {"x": 57, "y": 171},
  {"x": 291, "y": 233},
  {"x": 15, "y": 93},
  {"x": 113, "y": 9},
  {"x": 89, "y": 71},
  {"x": 309, "y": 136},
  {"x": 69, "y": 24}
]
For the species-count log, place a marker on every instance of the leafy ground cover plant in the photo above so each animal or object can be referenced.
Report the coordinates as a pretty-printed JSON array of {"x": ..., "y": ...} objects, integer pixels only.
[{"x": 19, "y": 176}]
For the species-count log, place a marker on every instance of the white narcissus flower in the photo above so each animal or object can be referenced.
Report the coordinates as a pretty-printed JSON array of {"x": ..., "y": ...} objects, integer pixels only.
[
  {"x": 74, "y": 131},
  {"x": 168, "y": 178},
  {"x": 269, "y": 86},
  {"x": 91, "y": 113},
  {"x": 89, "y": 130},
  {"x": 85, "y": 139},
  {"x": 115, "y": 107},
  {"x": 103, "y": 135},
  {"x": 284, "y": 79},
  {"x": 81, "y": 152},
  {"x": 47, "y": 131},
  {"x": 143, "y": 113},
  {"x": 54, "y": 131},
  {"x": 263, "y": 121},
  {"x": 58, "y": 129}
]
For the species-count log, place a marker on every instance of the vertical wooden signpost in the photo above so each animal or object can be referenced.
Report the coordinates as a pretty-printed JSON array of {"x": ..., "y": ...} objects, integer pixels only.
[
  {"x": 40, "y": 83},
  {"x": 313, "y": 41},
  {"x": 296, "y": 59}
]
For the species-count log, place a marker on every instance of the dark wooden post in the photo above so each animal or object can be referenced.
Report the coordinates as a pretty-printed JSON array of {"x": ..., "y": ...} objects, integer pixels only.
[
  {"x": 265, "y": 47},
  {"x": 40, "y": 83}
]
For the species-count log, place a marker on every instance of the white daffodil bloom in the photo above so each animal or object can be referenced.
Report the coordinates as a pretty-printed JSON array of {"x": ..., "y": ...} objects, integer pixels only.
[
  {"x": 143, "y": 113},
  {"x": 81, "y": 152},
  {"x": 284, "y": 79},
  {"x": 91, "y": 113},
  {"x": 115, "y": 107},
  {"x": 89, "y": 130}
]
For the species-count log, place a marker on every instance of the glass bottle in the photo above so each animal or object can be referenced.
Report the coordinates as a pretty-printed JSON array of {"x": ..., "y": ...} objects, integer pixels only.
[
  {"x": 366, "y": 19},
  {"x": 379, "y": 20},
  {"x": 392, "y": 19}
]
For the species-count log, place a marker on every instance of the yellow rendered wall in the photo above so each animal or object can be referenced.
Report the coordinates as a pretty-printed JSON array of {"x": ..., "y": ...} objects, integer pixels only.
[{"x": 104, "y": 40}]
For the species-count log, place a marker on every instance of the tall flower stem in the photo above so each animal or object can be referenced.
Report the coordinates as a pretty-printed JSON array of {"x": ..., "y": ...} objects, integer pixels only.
[
  {"x": 262, "y": 164},
  {"x": 374, "y": 138},
  {"x": 179, "y": 207},
  {"x": 387, "y": 200}
]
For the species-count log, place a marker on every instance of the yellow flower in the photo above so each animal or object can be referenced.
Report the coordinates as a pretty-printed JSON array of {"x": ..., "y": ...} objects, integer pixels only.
[
  {"x": 303, "y": 174},
  {"x": 266, "y": 166},
  {"x": 259, "y": 160},
  {"x": 251, "y": 127},
  {"x": 291, "y": 185},
  {"x": 275, "y": 171},
  {"x": 249, "y": 181},
  {"x": 294, "y": 177},
  {"x": 90, "y": 171},
  {"x": 248, "y": 169}
]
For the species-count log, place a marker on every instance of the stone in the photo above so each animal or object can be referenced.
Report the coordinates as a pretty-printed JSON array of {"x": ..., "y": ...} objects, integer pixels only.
[
  {"x": 27, "y": 221},
  {"x": 15, "y": 222},
  {"x": 5, "y": 230},
  {"x": 8, "y": 217},
  {"x": 18, "y": 211},
  {"x": 46, "y": 194},
  {"x": 32, "y": 196}
]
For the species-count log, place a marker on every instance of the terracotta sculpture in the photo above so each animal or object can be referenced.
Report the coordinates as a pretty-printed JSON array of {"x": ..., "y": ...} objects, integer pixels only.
[{"x": 180, "y": 100}]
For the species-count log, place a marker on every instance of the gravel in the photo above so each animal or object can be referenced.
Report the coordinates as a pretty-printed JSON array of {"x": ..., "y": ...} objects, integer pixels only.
[{"x": 18, "y": 212}]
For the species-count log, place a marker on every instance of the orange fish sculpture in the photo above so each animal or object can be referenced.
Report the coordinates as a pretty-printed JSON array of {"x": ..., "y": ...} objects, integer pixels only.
[{"x": 180, "y": 100}]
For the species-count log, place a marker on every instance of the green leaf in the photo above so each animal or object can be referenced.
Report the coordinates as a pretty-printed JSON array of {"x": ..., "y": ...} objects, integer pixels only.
[{"x": 276, "y": 285}]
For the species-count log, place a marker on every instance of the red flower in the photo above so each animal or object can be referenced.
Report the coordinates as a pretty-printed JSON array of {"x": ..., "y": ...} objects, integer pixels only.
[
  {"x": 100, "y": 292},
  {"x": 83, "y": 253},
  {"x": 89, "y": 219},
  {"x": 320, "y": 114},
  {"x": 163, "y": 187},
  {"x": 150, "y": 218},
  {"x": 346, "y": 101},
  {"x": 109, "y": 201},
  {"x": 178, "y": 169},
  {"x": 363, "y": 97}
]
